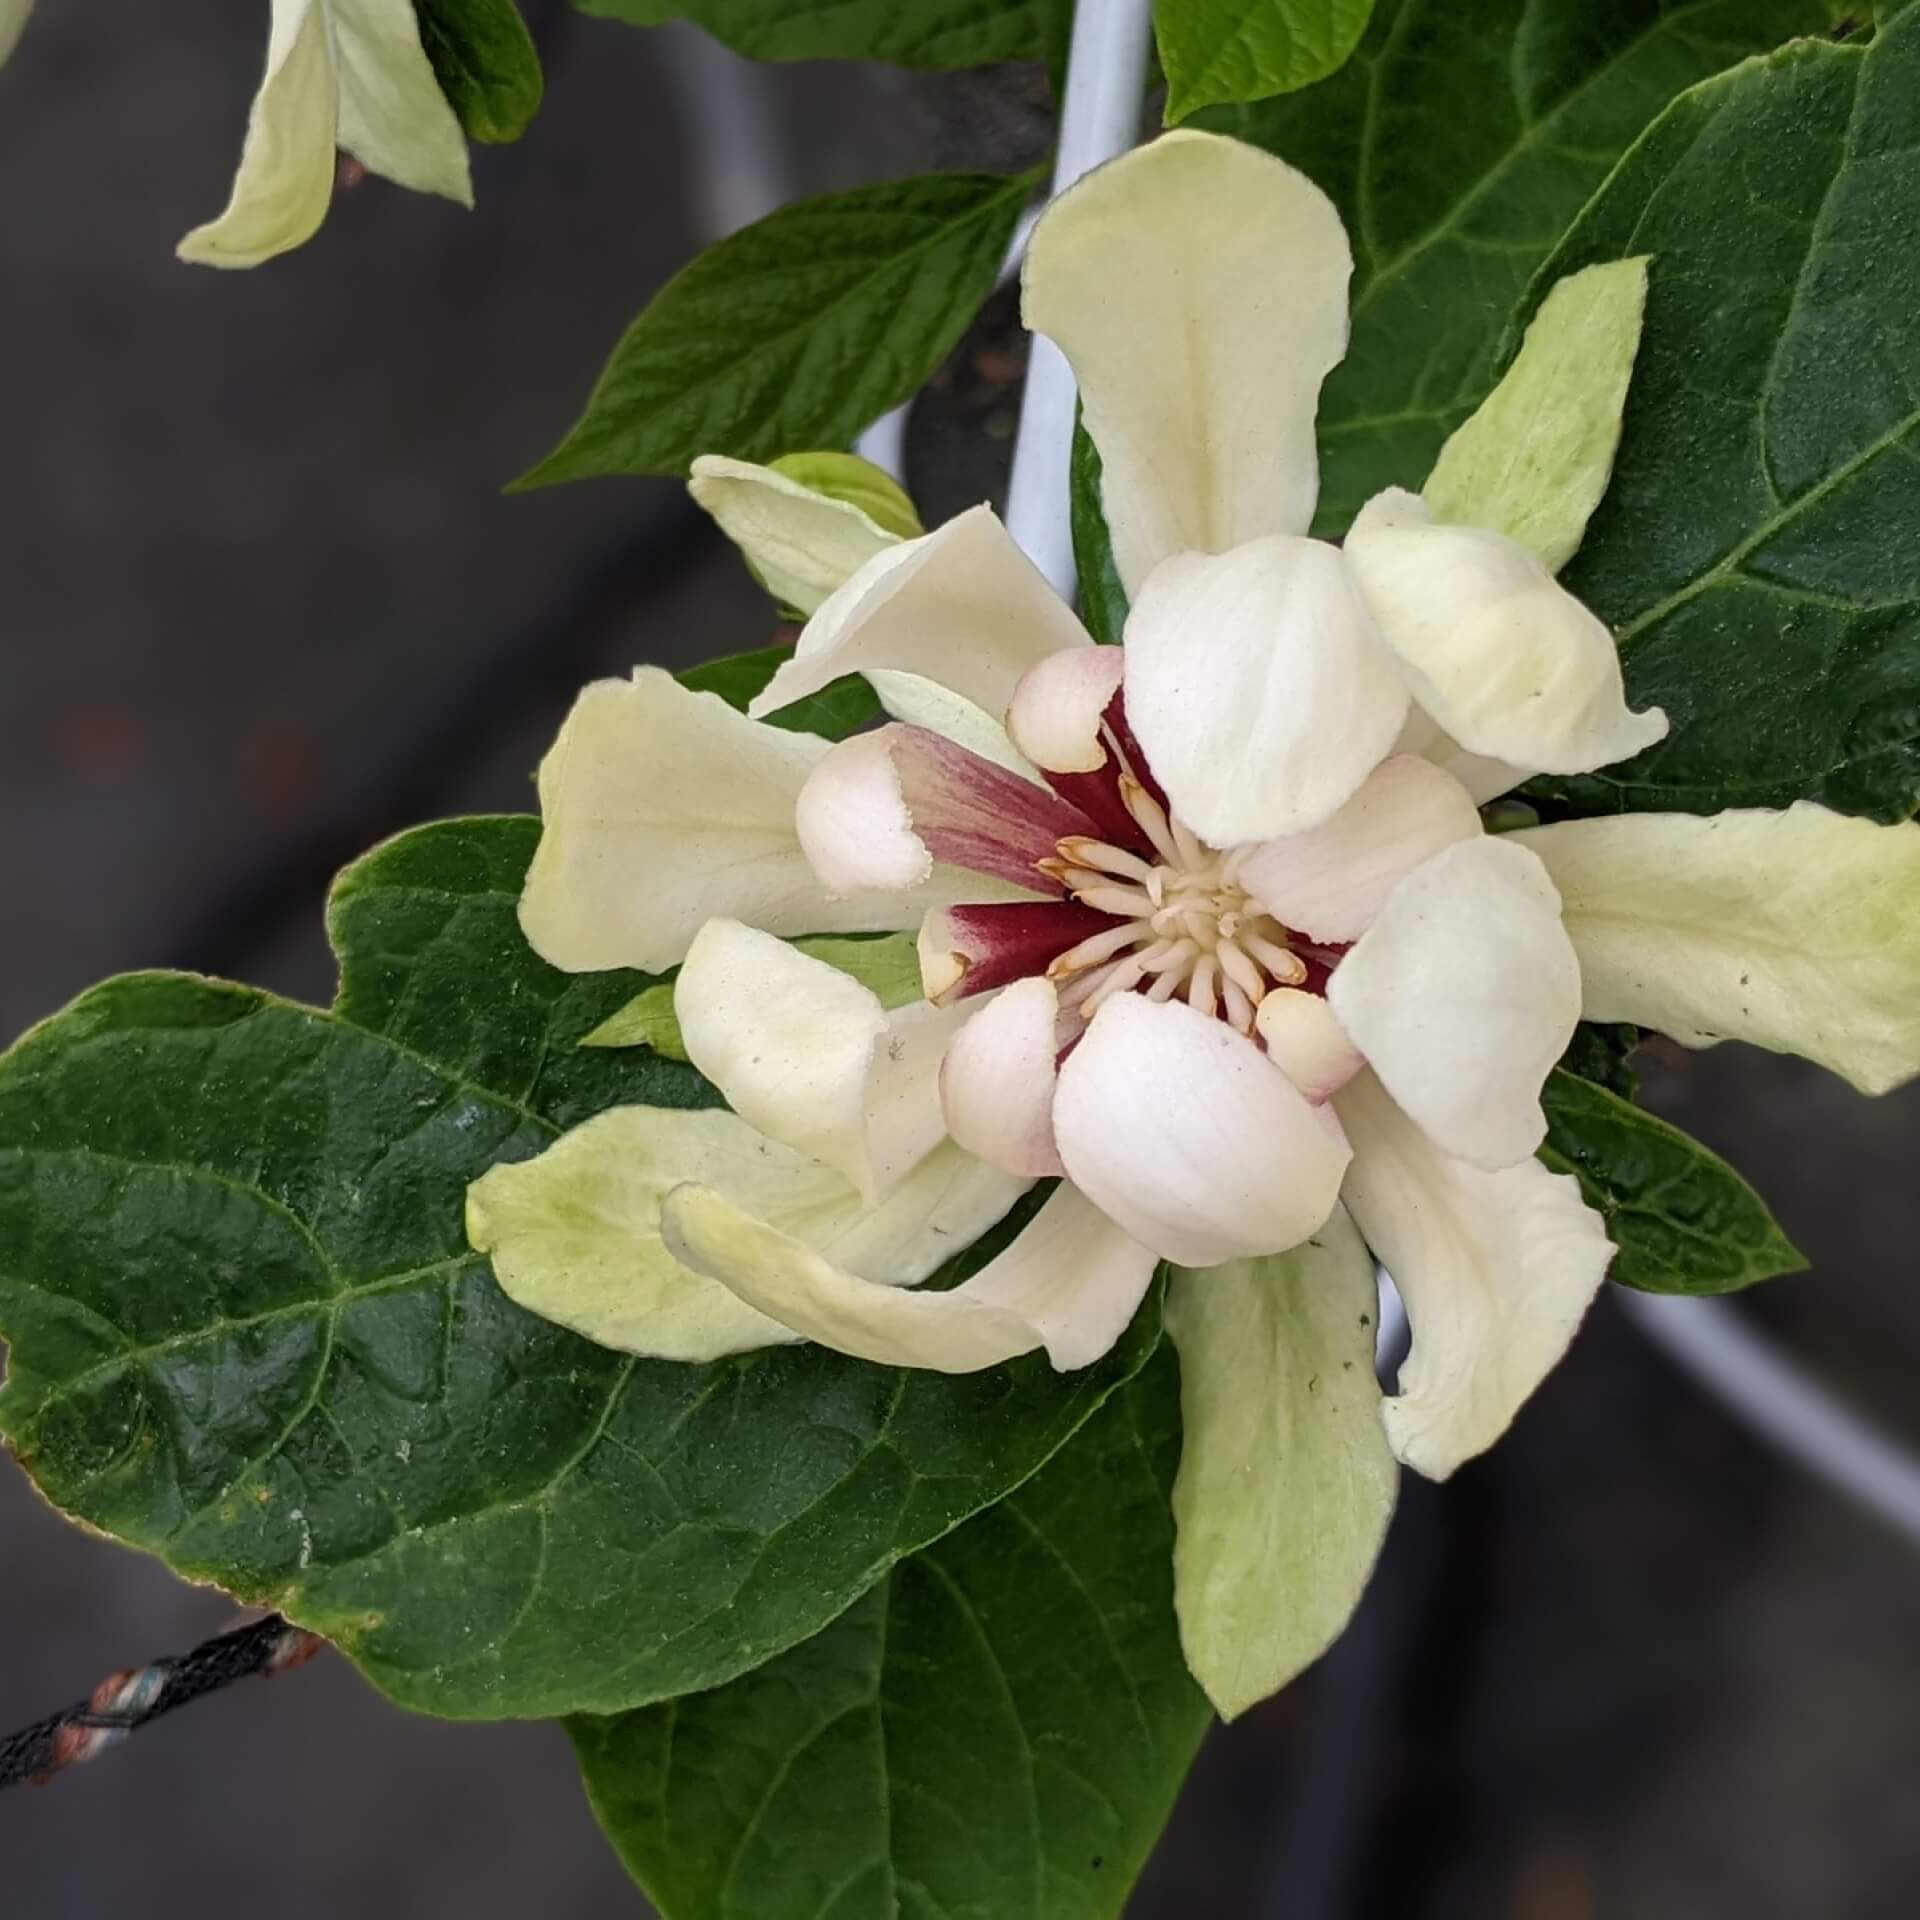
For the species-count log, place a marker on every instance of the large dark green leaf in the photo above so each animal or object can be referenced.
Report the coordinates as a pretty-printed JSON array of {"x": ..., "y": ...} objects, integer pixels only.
[
  {"x": 910, "y": 33},
  {"x": 1683, "y": 1220},
  {"x": 486, "y": 64},
  {"x": 1756, "y": 550},
  {"x": 248, "y": 1334},
  {"x": 798, "y": 330},
  {"x": 1233, "y": 50},
  {"x": 1459, "y": 143},
  {"x": 998, "y": 1729}
]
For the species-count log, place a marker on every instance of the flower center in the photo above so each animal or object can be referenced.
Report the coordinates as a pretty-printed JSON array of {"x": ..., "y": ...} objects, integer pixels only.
[{"x": 1185, "y": 925}]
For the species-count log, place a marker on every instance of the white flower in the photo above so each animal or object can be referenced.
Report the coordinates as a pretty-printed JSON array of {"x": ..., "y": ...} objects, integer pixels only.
[
  {"x": 341, "y": 74},
  {"x": 1209, "y": 926}
]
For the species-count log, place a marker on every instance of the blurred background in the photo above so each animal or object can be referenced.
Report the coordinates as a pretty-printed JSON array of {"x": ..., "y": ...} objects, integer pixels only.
[{"x": 262, "y": 602}]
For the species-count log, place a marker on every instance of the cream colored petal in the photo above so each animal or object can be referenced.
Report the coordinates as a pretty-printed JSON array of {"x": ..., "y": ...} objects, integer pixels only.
[
  {"x": 1070, "y": 1283},
  {"x": 1058, "y": 706},
  {"x": 1463, "y": 994},
  {"x": 919, "y": 702},
  {"x": 1258, "y": 687},
  {"x": 285, "y": 179},
  {"x": 340, "y": 73},
  {"x": 961, "y": 605},
  {"x": 1497, "y": 1270},
  {"x": 997, "y": 1078},
  {"x": 393, "y": 117},
  {"x": 1797, "y": 930},
  {"x": 807, "y": 1055},
  {"x": 802, "y": 545},
  {"x": 1199, "y": 287},
  {"x": 1331, "y": 881},
  {"x": 1286, "y": 1481},
  {"x": 574, "y": 1235},
  {"x": 1503, "y": 657},
  {"x": 1186, "y": 1134},
  {"x": 1484, "y": 779},
  {"x": 662, "y": 808},
  {"x": 14, "y": 15},
  {"x": 1305, "y": 1041},
  {"x": 1534, "y": 460}
]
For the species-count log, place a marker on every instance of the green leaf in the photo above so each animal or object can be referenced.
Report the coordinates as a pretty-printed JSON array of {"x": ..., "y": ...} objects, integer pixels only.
[
  {"x": 1604, "y": 1054},
  {"x": 798, "y": 330},
  {"x": 1103, "y": 600},
  {"x": 486, "y": 64},
  {"x": 909, "y": 33},
  {"x": 835, "y": 711},
  {"x": 248, "y": 1334},
  {"x": 1221, "y": 51},
  {"x": 1755, "y": 553},
  {"x": 1459, "y": 144},
  {"x": 1683, "y": 1220},
  {"x": 998, "y": 1729}
]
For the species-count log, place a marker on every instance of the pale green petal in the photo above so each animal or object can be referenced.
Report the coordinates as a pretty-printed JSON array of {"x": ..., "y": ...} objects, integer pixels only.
[
  {"x": 1070, "y": 1283},
  {"x": 393, "y": 117},
  {"x": 807, "y": 1055},
  {"x": 1497, "y": 1270},
  {"x": 1199, "y": 287},
  {"x": 575, "y": 1234},
  {"x": 800, "y": 543},
  {"x": 285, "y": 179},
  {"x": 340, "y": 73},
  {"x": 1535, "y": 459},
  {"x": 889, "y": 967},
  {"x": 13, "y": 23},
  {"x": 663, "y": 808},
  {"x": 1286, "y": 1481},
  {"x": 848, "y": 477},
  {"x": 1798, "y": 931}
]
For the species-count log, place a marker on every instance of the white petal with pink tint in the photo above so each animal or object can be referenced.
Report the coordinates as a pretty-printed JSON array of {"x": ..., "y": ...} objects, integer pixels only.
[
  {"x": 1331, "y": 881},
  {"x": 1055, "y": 716},
  {"x": 883, "y": 807},
  {"x": 1071, "y": 1283},
  {"x": 1258, "y": 687},
  {"x": 1190, "y": 1137},
  {"x": 807, "y": 1055},
  {"x": 996, "y": 1081},
  {"x": 1462, "y": 995},
  {"x": 961, "y": 605},
  {"x": 1306, "y": 1042}
]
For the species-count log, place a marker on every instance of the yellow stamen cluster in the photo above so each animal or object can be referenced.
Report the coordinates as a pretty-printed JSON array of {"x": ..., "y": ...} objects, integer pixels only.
[{"x": 1187, "y": 927}]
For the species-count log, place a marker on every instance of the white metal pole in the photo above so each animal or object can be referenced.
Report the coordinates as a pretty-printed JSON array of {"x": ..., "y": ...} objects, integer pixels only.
[{"x": 1099, "y": 118}]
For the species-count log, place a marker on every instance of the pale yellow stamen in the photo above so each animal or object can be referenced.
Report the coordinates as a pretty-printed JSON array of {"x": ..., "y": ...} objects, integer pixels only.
[{"x": 1187, "y": 926}]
